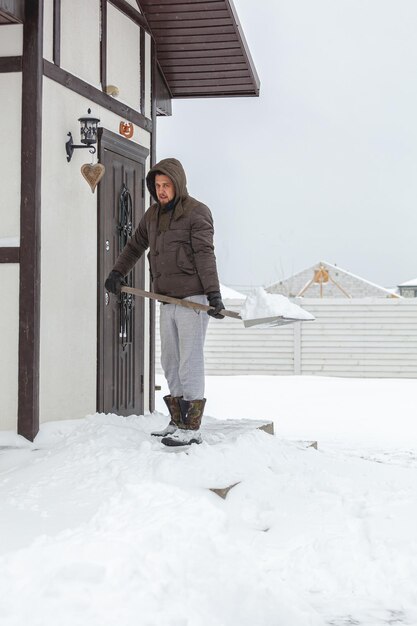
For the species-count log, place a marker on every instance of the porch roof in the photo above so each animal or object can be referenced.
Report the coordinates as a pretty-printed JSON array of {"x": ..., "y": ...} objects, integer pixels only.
[{"x": 201, "y": 48}]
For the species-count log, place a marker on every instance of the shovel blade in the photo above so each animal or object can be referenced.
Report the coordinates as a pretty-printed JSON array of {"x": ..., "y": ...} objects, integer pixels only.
[{"x": 270, "y": 322}]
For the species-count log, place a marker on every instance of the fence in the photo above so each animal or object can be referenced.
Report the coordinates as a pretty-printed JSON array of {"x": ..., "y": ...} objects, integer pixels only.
[{"x": 366, "y": 337}]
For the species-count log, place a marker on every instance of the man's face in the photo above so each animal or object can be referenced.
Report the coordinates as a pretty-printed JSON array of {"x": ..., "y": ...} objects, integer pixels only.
[{"x": 165, "y": 189}]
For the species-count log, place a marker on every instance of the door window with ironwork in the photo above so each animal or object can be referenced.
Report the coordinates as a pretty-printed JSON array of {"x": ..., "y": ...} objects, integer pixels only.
[{"x": 125, "y": 228}]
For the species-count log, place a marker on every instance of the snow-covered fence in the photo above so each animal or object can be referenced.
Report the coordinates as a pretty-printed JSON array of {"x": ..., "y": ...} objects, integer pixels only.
[{"x": 366, "y": 337}]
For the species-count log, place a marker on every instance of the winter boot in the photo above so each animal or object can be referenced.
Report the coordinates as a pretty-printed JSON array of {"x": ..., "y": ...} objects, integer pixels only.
[
  {"x": 174, "y": 409},
  {"x": 188, "y": 429}
]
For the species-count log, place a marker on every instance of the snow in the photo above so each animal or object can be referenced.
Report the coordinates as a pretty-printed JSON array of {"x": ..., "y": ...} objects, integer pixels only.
[
  {"x": 260, "y": 305},
  {"x": 101, "y": 525},
  {"x": 231, "y": 294},
  {"x": 409, "y": 283}
]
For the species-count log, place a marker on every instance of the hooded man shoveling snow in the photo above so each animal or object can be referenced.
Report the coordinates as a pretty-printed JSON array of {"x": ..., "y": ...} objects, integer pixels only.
[{"x": 178, "y": 230}]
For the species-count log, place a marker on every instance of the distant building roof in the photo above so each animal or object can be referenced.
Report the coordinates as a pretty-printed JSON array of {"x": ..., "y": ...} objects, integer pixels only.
[
  {"x": 409, "y": 283},
  {"x": 329, "y": 281}
]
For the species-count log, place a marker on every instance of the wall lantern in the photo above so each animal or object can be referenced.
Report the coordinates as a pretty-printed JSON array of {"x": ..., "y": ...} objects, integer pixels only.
[{"x": 88, "y": 133}]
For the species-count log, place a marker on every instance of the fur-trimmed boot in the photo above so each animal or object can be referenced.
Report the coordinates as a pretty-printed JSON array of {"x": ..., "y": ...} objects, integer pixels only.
[
  {"x": 173, "y": 404},
  {"x": 189, "y": 428}
]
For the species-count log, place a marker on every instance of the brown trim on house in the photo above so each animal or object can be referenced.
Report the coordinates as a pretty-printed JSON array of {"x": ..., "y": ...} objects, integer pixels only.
[
  {"x": 10, "y": 64},
  {"x": 142, "y": 64},
  {"x": 132, "y": 13},
  {"x": 95, "y": 95},
  {"x": 103, "y": 44},
  {"x": 162, "y": 93},
  {"x": 152, "y": 309},
  {"x": 10, "y": 255},
  {"x": 57, "y": 33},
  {"x": 12, "y": 11},
  {"x": 30, "y": 221}
]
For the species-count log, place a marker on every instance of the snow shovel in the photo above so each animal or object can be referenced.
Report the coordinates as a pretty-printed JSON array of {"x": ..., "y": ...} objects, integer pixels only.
[
  {"x": 170, "y": 300},
  {"x": 266, "y": 321}
]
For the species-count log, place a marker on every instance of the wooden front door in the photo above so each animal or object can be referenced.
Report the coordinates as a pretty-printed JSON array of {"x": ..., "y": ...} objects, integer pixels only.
[{"x": 121, "y": 204}]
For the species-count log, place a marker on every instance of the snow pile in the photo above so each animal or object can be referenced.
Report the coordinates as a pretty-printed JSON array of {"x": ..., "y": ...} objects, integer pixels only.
[
  {"x": 230, "y": 294},
  {"x": 102, "y": 525},
  {"x": 260, "y": 305}
]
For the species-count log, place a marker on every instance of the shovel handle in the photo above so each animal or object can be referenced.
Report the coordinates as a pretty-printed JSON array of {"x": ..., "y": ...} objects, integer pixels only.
[{"x": 170, "y": 300}]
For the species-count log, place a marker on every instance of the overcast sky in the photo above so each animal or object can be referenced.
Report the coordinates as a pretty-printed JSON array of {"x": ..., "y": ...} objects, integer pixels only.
[{"x": 323, "y": 165}]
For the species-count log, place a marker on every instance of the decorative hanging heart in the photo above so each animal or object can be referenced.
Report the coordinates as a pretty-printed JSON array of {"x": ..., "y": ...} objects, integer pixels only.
[{"x": 93, "y": 174}]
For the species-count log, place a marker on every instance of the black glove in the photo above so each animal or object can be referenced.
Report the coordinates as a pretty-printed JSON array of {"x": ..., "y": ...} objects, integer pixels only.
[
  {"x": 215, "y": 300},
  {"x": 114, "y": 282}
]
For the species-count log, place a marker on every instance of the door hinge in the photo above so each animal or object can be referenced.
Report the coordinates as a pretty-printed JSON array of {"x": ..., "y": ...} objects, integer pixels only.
[{"x": 141, "y": 384}]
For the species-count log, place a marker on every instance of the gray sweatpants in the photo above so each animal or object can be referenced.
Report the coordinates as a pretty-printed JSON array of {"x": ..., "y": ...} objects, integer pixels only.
[{"x": 183, "y": 332}]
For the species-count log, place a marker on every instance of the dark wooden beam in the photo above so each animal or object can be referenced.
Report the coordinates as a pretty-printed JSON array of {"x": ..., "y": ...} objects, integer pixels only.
[
  {"x": 152, "y": 310},
  {"x": 163, "y": 93},
  {"x": 95, "y": 95},
  {"x": 9, "y": 255},
  {"x": 131, "y": 12},
  {"x": 13, "y": 11},
  {"x": 30, "y": 221},
  {"x": 103, "y": 44},
  {"x": 142, "y": 66},
  {"x": 57, "y": 33},
  {"x": 10, "y": 64}
]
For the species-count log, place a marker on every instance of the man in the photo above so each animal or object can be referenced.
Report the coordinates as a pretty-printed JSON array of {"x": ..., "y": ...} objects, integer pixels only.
[{"x": 178, "y": 230}]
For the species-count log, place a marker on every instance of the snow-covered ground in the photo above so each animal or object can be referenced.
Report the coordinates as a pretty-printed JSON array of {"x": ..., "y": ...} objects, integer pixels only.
[{"x": 100, "y": 525}]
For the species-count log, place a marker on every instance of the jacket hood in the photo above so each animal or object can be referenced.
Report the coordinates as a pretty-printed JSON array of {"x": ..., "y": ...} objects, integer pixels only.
[{"x": 175, "y": 171}]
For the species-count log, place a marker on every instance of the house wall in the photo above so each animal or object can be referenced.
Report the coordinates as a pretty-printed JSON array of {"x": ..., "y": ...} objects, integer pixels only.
[
  {"x": 9, "y": 327},
  {"x": 123, "y": 35},
  {"x": 11, "y": 43},
  {"x": 69, "y": 261},
  {"x": 11, "y": 40},
  {"x": 48, "y": 23},
  {"x": 363, "y": 337},
  {"x": 80, "y": 39},
  {"x": 10, "y": 138},
  {"x": 69, "y": 209}
]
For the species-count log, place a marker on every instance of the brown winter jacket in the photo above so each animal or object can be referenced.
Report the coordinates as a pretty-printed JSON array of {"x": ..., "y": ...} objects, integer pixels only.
[{"x": 181, "y": 251}]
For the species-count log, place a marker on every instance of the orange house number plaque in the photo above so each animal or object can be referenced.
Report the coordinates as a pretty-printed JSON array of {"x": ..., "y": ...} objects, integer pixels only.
[{"x": 126, "y": 129}]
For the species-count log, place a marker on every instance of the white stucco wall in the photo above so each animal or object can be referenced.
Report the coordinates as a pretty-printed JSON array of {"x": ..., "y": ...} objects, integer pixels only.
[
  {"x": 68, "y": 266},
  {"x": 10, "y": 134},
  {"x": 48, "y": 29},
  {"x": 148, "y": 94},
  {"x": 11, "y": 40},
  {"x": 9, "y": 333},
  {"x": 69, "y": 261},
  {"x": 80, "y": 39},
  {"x": 123, "y": 46}
]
